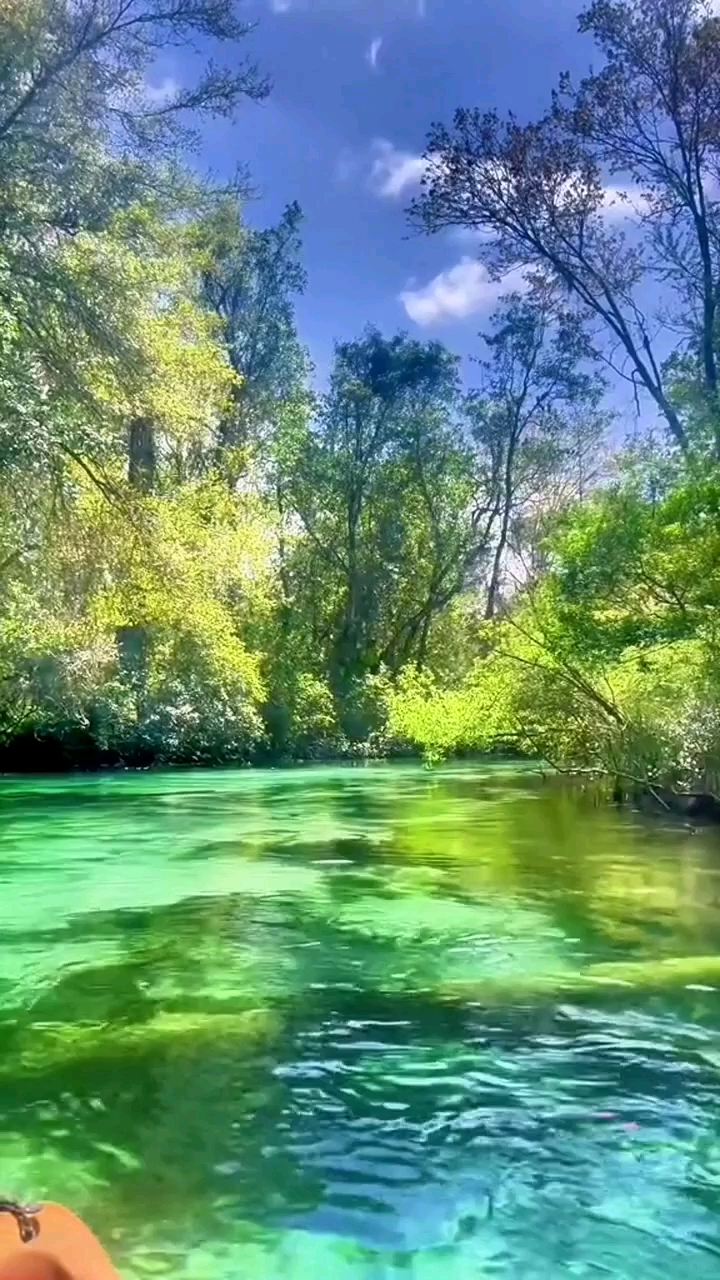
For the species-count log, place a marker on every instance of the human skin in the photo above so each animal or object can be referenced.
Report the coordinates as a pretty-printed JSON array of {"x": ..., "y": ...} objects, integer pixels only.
[{"x": 63, "y": 1249}]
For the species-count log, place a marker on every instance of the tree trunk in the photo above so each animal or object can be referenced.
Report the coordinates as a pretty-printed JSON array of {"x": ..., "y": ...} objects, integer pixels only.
[
  {"x": 133, "y": 643},
  {"x": 133, "y": 653},
  {"x": 142, "y": 455},
  {"x": 494, "y": 586}
]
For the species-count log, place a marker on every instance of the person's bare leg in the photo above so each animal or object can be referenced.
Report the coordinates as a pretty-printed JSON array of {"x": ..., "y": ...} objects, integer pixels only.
[
  {"x": 31, "y": 1265},
  {"x": 63, "y": 1249}
]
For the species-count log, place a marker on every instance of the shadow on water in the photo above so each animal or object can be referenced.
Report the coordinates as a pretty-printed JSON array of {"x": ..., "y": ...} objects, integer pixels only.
[{"x": 369, "y": 1021}]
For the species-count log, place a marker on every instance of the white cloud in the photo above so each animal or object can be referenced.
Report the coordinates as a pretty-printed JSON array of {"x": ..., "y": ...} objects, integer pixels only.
[
  {"x": 617, "y": 203},
  {"x": 281, "y": 6},
  {"x": 422, "y": 8},
  {"x": 162, "y": 93},
  {"x": 470, "y": 237},
  {"x": 623, "y": 202},
  {"x": 394, "y": 171},
  {"x": 459, "y": 292},
  {"x": 373, "y": 52}
]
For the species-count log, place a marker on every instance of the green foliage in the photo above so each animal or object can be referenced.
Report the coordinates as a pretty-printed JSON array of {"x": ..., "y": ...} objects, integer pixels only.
[
  {"x": 177, "y": 576},
  {"x": 202, "y": 558},
  {"x": 301, "y": 715},
  {"x": 249, "y": 281},
  {"x": 374, "y": 573},
  {"x": 89, "y": 160},
  {"x": 609, "y": 665},
  {"x": 539, "y": 194}
]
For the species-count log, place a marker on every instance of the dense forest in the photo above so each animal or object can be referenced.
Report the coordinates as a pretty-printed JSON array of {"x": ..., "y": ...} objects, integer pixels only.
[{"x": 207, "y": 557}]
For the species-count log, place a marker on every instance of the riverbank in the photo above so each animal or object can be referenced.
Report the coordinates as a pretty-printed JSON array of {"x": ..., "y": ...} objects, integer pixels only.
[{"x": 54, "y": 758}]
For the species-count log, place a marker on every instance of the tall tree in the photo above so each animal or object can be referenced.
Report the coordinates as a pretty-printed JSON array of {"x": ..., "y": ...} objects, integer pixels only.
[
  {"x": 524, "y": 418},
  {"x": 651, "y": 114},
  {"x": 84, "y": 139},
  {"x": 551, "y": 196},
  {"x": 251, "y": 281},
  {"x": 384, "y": 486}
]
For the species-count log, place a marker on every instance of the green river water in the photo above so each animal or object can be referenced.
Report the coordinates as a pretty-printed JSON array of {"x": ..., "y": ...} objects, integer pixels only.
[{"x": 362, "y": 1023}]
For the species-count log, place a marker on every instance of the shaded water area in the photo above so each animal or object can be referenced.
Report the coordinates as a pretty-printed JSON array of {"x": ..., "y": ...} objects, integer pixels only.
[{"x": 362, "y": 1023}]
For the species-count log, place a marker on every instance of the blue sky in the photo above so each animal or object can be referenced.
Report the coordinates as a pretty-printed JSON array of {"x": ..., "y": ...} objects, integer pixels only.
[{"x": 356, "y": 85}]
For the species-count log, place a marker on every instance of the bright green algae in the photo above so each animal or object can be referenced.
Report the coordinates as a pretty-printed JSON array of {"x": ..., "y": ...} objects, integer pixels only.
[{"x": 366, "y": 1023}]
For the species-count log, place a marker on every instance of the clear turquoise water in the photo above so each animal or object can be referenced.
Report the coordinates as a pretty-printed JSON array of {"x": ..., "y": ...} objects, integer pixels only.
[{"x": 362, "y": 1023}]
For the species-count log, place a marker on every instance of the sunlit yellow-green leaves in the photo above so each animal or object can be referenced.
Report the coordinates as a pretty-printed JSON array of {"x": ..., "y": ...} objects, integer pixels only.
[{"x": 172, "y": 367}]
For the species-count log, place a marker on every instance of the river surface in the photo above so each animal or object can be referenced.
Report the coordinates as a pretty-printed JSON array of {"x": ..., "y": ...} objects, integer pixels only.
[{"x": 362, "y": 1023}]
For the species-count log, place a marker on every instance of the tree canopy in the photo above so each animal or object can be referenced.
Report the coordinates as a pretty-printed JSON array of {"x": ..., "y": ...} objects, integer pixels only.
[{"x": 207, "y": 553}]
